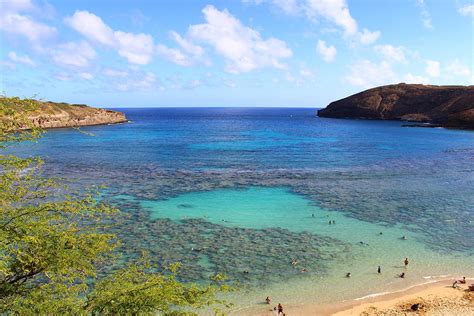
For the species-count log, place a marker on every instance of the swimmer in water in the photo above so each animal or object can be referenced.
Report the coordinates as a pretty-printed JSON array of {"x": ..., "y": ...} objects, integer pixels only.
[
  {"x": 348, "y": 275},
  {"x": 406, "y": 262},
  {"x": 379, "y": 270},
  {"x": 402, "y": 275}
]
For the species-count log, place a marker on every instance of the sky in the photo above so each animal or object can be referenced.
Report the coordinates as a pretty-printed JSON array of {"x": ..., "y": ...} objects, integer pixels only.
[{"x": 265, "y": 53}]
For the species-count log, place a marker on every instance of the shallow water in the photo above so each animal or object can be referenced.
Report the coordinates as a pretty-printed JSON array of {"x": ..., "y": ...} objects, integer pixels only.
[{"x": 234, "y": 190}]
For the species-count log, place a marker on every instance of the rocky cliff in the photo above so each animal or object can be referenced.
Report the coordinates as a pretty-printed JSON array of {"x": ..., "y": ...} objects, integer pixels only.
[
  {"x": 449, "y": 106},
  {"x": 56, "y": 115}
]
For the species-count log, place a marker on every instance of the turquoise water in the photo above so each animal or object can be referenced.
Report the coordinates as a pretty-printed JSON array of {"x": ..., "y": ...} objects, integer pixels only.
[
  {"x": 370, "y": 246},
  {"x": 234, "y": 190}
]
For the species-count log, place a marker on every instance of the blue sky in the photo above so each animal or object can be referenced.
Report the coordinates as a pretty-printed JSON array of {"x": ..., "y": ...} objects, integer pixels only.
[{"x": 285, "y": 53}]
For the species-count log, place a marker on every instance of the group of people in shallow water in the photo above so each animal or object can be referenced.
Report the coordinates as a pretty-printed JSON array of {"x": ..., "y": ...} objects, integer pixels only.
[
  {"x": 379, "y": 270},
  {"x": 278, "y": 308},
  {"x": 294, "y": 262}
]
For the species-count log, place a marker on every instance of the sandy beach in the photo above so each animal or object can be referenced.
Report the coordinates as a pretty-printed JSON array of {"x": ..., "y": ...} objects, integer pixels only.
[{"x": 437, "y": 298}]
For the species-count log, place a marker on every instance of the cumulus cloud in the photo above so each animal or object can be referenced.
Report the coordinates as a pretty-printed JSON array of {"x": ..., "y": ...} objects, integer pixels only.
[
  {"x": 327, "y": 52},
  {"x": 334, "y": 11},
  {"x": 243, "y": 47},
  {"x": 136, "y": 48},
  {"x": 432, "y": 68},
  {"x": 467, "y": 10},
  {"x": 174, "y": 55},
  {"x": 12, "y": 22},
  {"x": 187, "y": 45},
  {"x": 25, "y": 59},
  {"x": 392, "y": 53},
  {"x": 367, "y": 37},
  {"x": 365, "y": 73},
  {"x": 73, "y": 54}
]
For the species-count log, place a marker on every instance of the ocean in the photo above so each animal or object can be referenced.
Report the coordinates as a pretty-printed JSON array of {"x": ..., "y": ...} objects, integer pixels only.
[{"x": 246, "y": 191}]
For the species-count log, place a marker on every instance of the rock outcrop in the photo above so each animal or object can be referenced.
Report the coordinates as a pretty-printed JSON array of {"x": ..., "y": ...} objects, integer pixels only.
[
  {"x": 57, "y": 115},
  {"x": 448, "y": 106}
]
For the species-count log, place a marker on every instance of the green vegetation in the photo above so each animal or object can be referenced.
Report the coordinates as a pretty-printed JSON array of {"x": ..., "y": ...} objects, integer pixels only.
[{"x": 51, "y": 245}]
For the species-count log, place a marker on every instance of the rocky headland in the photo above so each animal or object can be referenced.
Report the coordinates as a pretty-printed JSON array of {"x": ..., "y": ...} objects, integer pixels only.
[
  {"x": 57, "y": 115},
  {"x": 446, "y": 106}
]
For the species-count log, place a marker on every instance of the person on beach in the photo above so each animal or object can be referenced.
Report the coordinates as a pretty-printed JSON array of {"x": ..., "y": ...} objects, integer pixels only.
[
  {"x": 463, "y": 281},
  {"x": 280, "y": 309},
  {"x": 402, "y": 275},
  {"x": 268, "y": 300},
  {"x": 379, "y": 270},
  {"x": 406, "y": 262}
]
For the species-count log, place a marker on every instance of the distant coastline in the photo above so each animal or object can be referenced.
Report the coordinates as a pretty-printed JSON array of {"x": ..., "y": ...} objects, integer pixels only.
[
  {"x": 50, "y": 115},
  {"x": 434, "y": 106}
]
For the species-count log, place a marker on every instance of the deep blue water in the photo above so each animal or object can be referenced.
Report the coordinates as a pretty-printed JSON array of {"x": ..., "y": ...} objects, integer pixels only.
[{"x": 375, "y": 171}]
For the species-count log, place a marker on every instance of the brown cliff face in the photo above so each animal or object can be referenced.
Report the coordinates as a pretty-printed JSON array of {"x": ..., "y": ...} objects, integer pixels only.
[
  {"x": 449, "y": 106},
  {"x": 57, "y": 115}
]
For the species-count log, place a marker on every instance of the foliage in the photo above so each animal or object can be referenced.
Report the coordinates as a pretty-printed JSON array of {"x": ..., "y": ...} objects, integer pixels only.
[{"x": 51, "y": 244}]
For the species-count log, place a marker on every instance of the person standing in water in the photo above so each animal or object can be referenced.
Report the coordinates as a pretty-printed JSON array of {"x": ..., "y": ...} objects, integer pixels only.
[
  {"x": 406, "y": 262},
  {"x": 379, "y": 270}
]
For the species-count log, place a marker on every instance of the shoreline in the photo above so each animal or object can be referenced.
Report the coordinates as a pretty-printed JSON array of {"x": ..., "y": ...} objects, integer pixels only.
[{"x": 375, "y": 303}]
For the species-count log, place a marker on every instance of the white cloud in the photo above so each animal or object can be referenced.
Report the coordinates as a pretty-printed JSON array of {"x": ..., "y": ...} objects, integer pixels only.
[
  {"x": 467, "y": 10},
  {"x": 241, "y": 46},
  {"x": 392, "y": 53},
  {"x": 17, "y": 5},
  {"x": 458, "y": 69},
  {"x": 86, "y": 75},
  {"x": 327, "y": 52},
  {"x": 25, "y": 59},
  {"x": 367, "y": 37},
  {"x": 25, "y": 26},
  {"x": 365, "y": 73},
  {"x": 187, "y": 55},
  {"x": 115, "y": 73},
  {"x": 334, "y": 11},
  {"x": 136, "y": 48},
  {"x": 174, "y": 55},
  {"x": 187, "y": 45},
  {"x": 432, "y": 68},
  {"x": 73, "y": 54},
  {"x": 92, "y": 27}
]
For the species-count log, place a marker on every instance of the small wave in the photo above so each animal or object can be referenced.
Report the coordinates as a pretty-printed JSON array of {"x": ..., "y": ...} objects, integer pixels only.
[
  {"x": 371, "y": 295},
  {"x": 436, "y": 276},
  {"x": 402, "y": 290}
]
